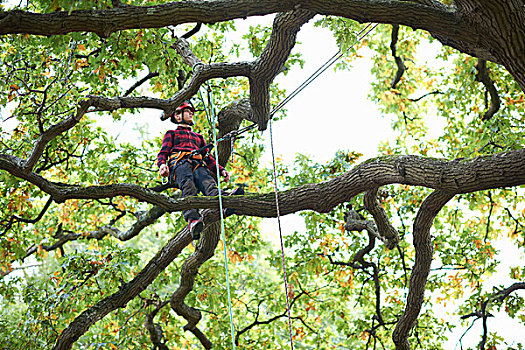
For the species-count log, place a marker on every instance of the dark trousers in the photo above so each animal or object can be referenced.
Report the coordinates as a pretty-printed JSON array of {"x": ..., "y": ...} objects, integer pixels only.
[{"x": 191, "y": 182}]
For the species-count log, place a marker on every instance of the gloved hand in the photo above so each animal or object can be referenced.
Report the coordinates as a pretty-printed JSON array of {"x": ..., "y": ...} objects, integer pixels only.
[{"x": 164, "y": 170}]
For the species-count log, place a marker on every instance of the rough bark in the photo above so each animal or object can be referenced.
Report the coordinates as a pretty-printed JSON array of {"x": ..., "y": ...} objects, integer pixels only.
[
  {"x": 205, "y": 250},
  {"x": 418, "y": 278},
  {"x": 487, "y": 29},
  {"x": 387, "y": 232},
  {"x": 272, "y": 60},
  {"x": 457, "y": 176}
]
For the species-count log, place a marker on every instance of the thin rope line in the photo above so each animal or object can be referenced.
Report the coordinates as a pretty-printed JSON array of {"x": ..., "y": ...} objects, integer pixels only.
[
  {"x": 281, "y": 237},
  {"x": 323, "y": 68},
  {"x": 307, "y": 82},
  {"x": 212, "y": 112},
  {"x": 205, "y": 108}
]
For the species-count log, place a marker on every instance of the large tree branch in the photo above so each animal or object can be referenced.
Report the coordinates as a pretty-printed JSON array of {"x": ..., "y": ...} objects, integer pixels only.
[
  {"x": 483, "y": 76},
  {"x": 272, "y": 60},
  {"x": 423, "y": 246},
  {"x": 399, "y": 61},
  {"x": 105, "y": 22},
  {"x": 457, "y": 176},
  {"x": 488, "y": 32},
  {"x": 156, "y": 334},
  {"x": 384, "y": 227},
  {"x": 205, "y": 250}
]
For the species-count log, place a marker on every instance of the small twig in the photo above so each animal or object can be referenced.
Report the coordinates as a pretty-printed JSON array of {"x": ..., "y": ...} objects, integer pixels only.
[
  {"x": 483, "y": 76},
  {"x": 141, "y": 81},
  {"x": 399, "y": 62},
  {"x": 487, "y": 229},
  {"x": 193, "y": 31},
  {"x": 435, "y": 92},
  {"x": 484, "y": 315},
  {"x": 268, "y": 321}
]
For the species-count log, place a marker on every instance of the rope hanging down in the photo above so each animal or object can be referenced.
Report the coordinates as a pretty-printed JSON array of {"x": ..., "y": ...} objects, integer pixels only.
[
  {"x": 281, "y": 238},
  {"x": 212, "y": 112},
  {"x": 279, "y": 106}
]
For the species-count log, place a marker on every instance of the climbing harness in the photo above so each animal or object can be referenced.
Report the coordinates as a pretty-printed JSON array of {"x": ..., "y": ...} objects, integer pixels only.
[{"x": 195, "y": 159}]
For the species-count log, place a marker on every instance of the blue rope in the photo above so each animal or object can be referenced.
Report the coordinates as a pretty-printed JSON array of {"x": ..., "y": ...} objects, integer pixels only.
[
  {"x": 212, "y": 112},
  {"x": 205, "y": 110}
]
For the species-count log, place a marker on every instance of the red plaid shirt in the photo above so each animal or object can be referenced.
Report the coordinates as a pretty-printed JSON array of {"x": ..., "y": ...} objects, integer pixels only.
[{"x": 183, "y": 139}]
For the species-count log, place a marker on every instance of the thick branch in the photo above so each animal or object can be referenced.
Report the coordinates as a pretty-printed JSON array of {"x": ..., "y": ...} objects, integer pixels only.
[
  {"x": 354, "y": 222},
  {"x": 399, "y": 61},
  {"x": 423, "y": 246},
  {"x": 155, "y": 330},
  {"x": 272, "y": 60},
  {"x": 105, "y": 22},
  {"x": 489, "y": 32},
  {"x": 483, "y": 76},
  {"x": 205, "y": 250},
  {"x": 457, "y": 176}
]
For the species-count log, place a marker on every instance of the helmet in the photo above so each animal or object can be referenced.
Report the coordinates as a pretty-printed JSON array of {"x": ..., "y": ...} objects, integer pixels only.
[{"x": 185, "y": 104}]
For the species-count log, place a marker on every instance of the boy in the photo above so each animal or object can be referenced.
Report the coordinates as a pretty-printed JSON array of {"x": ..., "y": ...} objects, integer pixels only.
[{"x": 191, "y": 172}]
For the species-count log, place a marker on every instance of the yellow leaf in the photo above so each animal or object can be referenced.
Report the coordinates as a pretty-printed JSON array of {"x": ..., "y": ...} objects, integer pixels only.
[{"x": 121, "y": 205}]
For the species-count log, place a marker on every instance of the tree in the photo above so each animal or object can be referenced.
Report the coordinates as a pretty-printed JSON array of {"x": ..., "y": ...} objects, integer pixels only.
[{"x": 119, "y": 260}]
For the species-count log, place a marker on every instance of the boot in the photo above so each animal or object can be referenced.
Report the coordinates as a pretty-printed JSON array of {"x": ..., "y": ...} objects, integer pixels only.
[{"x": 195, "y": 227}]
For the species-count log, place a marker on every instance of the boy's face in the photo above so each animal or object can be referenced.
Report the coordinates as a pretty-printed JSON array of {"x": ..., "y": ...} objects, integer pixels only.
[{"x": 186, "y": 114}]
